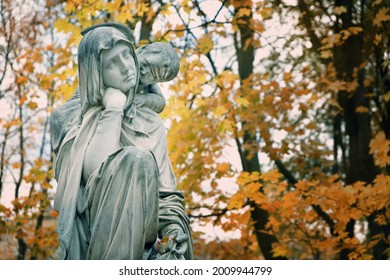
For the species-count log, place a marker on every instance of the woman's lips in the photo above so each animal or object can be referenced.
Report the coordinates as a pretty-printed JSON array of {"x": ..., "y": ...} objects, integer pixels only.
[{"x": 128, "y": 78}]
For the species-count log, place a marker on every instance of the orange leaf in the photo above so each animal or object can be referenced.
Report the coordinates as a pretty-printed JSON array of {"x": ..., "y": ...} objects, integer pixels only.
[
  {"x": 380, "y": 147},
  {"x": 381, "y": 16},
  {"x": 271, "y": 176},
  {"x": 54, "y": 214},
  {"x": 236, "y": 201},
  {"x": 223, "y": 167},
  {"x": 361, "y": 109}
]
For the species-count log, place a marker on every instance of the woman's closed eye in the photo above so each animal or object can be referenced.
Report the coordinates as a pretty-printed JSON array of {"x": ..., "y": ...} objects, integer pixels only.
[{"x": 126, "y": 54}]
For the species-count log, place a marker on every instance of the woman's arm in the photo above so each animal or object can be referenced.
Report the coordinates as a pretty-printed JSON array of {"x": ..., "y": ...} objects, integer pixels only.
[{"x": 106, "y": 139}]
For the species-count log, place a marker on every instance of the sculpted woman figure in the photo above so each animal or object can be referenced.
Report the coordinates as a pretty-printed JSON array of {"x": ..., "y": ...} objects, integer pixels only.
[{"x": 113, "y": 200}]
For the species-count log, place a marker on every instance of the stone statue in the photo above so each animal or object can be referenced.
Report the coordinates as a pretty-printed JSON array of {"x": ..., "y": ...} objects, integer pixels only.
[{"x": 116, "y": 195}]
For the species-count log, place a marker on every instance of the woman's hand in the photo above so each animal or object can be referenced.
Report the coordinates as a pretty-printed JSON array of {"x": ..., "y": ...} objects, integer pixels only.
[
  {"x": 172, "y": 246},
  {"x": 180, "y": 244},
  {"x": 114, "y": 99}
]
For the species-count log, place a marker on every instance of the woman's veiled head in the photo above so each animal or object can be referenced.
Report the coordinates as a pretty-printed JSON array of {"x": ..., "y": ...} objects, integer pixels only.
[
  {"x": 119, "y": 70},
  {"x": 90, "y": 62}
]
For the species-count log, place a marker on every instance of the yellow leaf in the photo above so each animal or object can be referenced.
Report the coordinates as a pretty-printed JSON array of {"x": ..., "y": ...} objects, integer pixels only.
[
  {"x": 220, "y": 111},
  {"x": 66, "y": 91},
  {"x": 227, "y": 125},
  {"x": 244, "y": 12},
  {"x": 280, "y": 251},
  {"x": 242, "y": 101},
  {"x": 124, "y": 16},
  {"x": 326, "y": 54},
  {"x": 166, "y": 12},
  {"x": 62, "y": 25},
  {"x": 226, "y": 79},
  {"x": 113, "y": 6},
  {"x": 339, "y": 10},
  {"x": 142, "y": 8},
  {"x": 205, "y": 44},
  {"x": 266, "y": 13},
  {"x": 186, "y": 7},
  {"x": 32, "y": 105}
]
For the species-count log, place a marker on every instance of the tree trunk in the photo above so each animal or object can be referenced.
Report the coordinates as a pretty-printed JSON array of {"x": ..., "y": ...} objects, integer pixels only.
[
  {"x": 146, "y": 27},
  {"x": 360, "y": 164},
  {"x": 357, "y": 163},
  {"x": 250, "y": 162}
]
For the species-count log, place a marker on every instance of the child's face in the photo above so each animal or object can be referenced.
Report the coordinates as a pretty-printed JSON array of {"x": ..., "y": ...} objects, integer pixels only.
[
  {"x": 150, "y": 68},
  {"x": 158, "y": 63},
  {"x": 119, "y": 69}
]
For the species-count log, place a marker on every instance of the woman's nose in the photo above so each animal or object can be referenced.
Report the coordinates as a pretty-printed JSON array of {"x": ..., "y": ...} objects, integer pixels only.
[{"x": 124, "y": 65}]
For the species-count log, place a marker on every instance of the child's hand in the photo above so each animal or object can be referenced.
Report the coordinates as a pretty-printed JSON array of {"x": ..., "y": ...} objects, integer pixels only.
[
  {"x": 139, "y": 100},
  {"x": 114, "y": 99}
]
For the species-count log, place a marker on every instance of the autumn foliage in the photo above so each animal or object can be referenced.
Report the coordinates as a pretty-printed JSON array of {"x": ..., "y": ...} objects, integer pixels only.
[{"x": 278, "y": 122}]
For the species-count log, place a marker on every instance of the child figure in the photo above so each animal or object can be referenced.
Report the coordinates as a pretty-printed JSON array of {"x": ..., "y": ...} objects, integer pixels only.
[{"x": 158, "y": 63}]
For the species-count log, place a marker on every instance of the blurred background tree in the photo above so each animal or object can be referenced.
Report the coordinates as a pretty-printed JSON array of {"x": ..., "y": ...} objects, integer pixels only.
[{"x": 278, "y": 122}]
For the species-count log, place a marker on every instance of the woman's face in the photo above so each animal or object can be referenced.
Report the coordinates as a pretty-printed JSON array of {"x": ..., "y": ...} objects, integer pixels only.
[{"x": 119, "y": 70}]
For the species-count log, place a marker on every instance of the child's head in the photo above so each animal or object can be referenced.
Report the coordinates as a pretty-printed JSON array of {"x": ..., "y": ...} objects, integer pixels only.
[{"x": 158, "y": 63}]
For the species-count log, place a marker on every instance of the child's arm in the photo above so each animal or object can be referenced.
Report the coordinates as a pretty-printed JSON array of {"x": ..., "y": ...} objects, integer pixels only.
[{"x": 152, "y": 98}]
